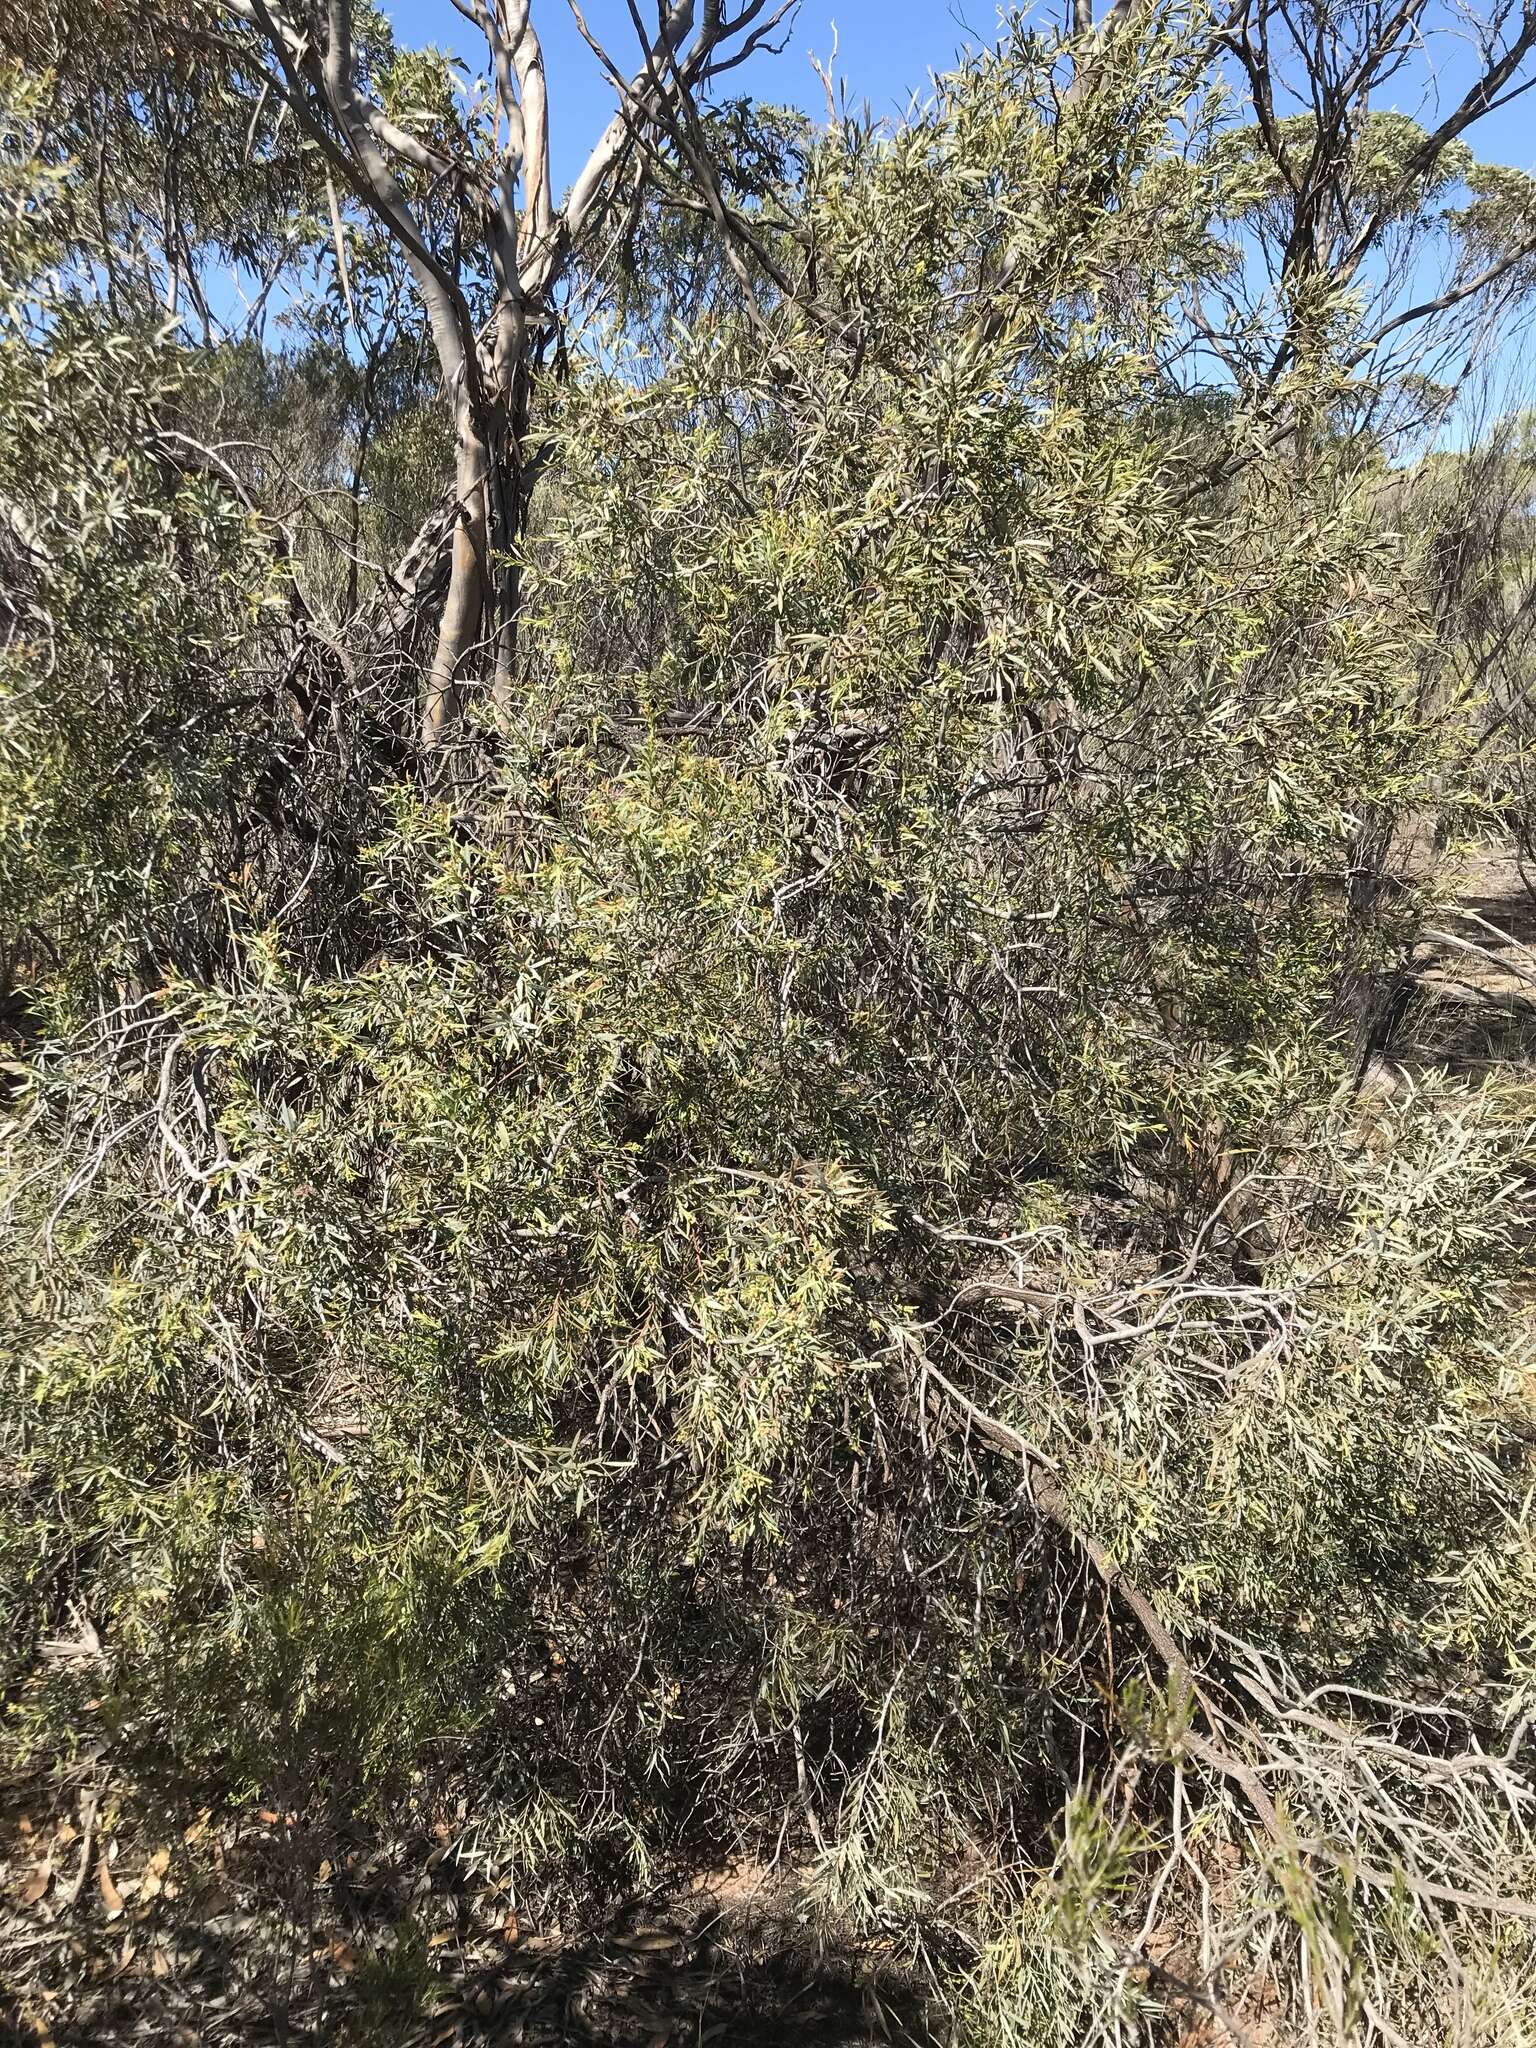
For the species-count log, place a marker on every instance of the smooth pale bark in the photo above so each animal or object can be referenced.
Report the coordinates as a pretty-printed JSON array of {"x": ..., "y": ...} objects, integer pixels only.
[{"x": 464, "y": 606}]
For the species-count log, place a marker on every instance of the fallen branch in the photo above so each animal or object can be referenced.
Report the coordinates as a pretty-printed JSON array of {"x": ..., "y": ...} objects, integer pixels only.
[{"x": 70, "y": 1895}]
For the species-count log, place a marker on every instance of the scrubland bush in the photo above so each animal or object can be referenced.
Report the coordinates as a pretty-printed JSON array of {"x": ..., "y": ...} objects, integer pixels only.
[{"x": 788, "y": 1258}]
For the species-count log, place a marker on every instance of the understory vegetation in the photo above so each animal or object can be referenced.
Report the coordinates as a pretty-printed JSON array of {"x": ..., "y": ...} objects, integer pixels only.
[{"x": 767, "y": 1114}]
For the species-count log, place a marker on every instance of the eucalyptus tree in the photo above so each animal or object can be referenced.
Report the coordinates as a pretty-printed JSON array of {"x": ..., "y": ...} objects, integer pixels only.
[{"x": 490, "y": 330}]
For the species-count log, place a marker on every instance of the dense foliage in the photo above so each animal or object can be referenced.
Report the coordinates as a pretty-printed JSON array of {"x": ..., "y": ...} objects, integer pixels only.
[{"x": 813, "y": 1254}]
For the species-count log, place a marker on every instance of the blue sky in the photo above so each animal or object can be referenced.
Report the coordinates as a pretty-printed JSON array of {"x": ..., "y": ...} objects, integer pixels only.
[{"x": 885, "y": 51}]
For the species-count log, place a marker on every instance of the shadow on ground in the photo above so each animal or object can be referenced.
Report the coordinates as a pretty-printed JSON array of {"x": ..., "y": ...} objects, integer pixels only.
[{"x": 407, "y": 1950}]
